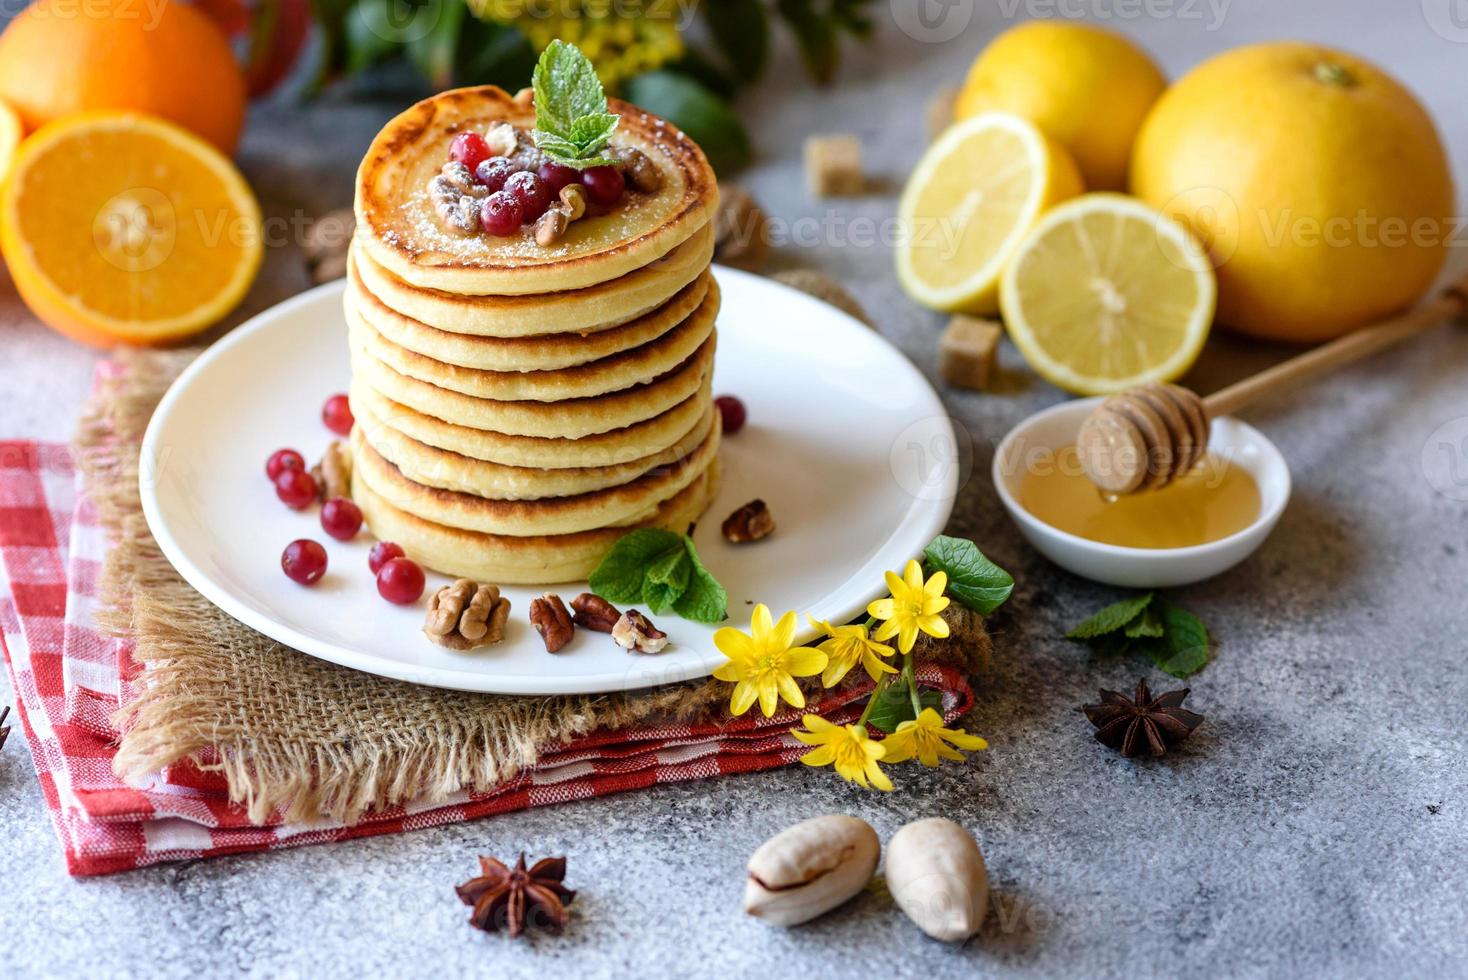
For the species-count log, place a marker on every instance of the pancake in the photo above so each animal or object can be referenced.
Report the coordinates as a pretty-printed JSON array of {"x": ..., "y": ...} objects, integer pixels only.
[
  {"x": 611, "y": 448},
  {"x": 529, "y": 560},
  {"x": 628, "y": 503},
  {"x": 399, "y": 228},
  {"x": 680, "y": 341},
  {"x": 588, "y": 310},
  {"x": 573, "y": 418},
  {"x": 433, "y": 467}
]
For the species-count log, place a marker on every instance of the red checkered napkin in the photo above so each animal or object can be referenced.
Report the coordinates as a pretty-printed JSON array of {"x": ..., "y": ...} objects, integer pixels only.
[{"x": 69, "y": 678}]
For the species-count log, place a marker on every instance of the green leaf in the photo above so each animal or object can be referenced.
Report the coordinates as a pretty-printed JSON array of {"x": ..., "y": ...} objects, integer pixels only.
[
  {"x": 973, "y": 579},
  {"x": 493, "y": 54},
  {"x": 1114, "y": 617},
  {"x": 566, "y": 88},
  {"x": 705, "y": 600},
  {"x": 706, "y": 72},
  {"x": 1147, "y": 624},
  {"x": 741, "y": 30},
  {"x": 698, "y": 112},
  {"x": 816, "y": 35},
  {"x": 619, "y": 576},
  {"x": 894, "y": 706},
  {"x": 665, "y": 580},
  {"x": 434, "y": 52},
  {"x": 1185, "y": 640}
]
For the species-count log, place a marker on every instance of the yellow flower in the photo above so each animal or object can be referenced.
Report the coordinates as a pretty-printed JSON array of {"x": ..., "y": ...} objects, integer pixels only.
[
  {"x": 847, "y": 646},
  {"x": 913, "y": 606},
  {"x": 764, "y": 664},
  {"x": 927, "y": 739},
  {"x": 854, "y": 754},
  {"x": 622, "y": 38}
]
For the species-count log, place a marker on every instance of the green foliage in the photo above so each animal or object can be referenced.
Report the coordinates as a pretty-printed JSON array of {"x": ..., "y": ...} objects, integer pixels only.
[
  {"x": 661, "y": 570},
  {"x": 973, "y": 579},
  {"x": 1174, "y": 639},
  {"x": 894, "y": 705},
  {"x": 698, "y": 112}
]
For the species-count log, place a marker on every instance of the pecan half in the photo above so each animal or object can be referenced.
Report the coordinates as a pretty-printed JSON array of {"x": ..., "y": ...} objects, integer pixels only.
[
  {"x": 333, "y": 474},
  {"x": 592, "y": 612},
  {"x": 466, "y": 615},
  {"x": 636, "y": 632},
  {"x": 549, "y": 617},
  {"x": 641, "y": 171},
  {"x": 749, "y": 523},
  {"x": 551, "y": 227}
]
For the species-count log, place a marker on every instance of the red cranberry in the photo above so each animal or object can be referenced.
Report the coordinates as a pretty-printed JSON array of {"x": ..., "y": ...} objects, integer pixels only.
[
  {"x": 296, "y": 489},
  {"x": 733, "y": 412},
  {"x": 283, "y": 459},
  {"x": 493, "y": 173},
  {"x": 304, "y": 561},
  {"x": 337, "y": 414},
  {"x": 382, "y": 553},
  {"x": 557, "y": 175},
  {"x": 341, "y": 518},
  {"x": 531, "y": 192},
  {"x": 400, "y": 581},
  {"x": 469, "y": 149},
  {"x": 604, "y": 185},
  {"x": 501, "y": 214}
]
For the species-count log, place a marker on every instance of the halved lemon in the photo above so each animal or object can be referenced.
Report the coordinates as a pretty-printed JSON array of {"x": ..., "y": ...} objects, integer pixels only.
[
  {"x": 1106, "y": 293},
  {"x": 972, "y": 197},
  {"x": 123, "y": 228}
]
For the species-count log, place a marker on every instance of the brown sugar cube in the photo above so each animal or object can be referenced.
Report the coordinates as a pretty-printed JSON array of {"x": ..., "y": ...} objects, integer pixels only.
[
  {"x": 966, "y": 352},
  {"x": 833, "y": 166}
]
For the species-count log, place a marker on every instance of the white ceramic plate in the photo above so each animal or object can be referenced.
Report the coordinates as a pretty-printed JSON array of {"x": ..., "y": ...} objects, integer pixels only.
[{"x": 846, "y": 441}]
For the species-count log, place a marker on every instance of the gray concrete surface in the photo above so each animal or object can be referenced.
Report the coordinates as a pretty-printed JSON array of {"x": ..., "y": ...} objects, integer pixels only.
[{"x": 1314, "y": 826}]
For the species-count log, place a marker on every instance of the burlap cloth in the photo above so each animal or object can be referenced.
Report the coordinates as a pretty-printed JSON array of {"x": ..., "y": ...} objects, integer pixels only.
[{"x": 293, "y": 733}]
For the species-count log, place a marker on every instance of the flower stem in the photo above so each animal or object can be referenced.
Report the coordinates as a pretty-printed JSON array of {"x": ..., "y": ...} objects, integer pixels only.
[
  {"x": 877, "y": 692},
  {"x": 912, "y": 688}
]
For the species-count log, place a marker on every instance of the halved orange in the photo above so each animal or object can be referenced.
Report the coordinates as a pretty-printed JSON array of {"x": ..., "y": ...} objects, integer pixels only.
[
  {"x": 11, "y": 131},
  {"x": 123, "y": 228}
]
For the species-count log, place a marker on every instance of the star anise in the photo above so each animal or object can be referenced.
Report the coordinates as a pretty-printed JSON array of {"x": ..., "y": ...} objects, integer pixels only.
[
  {"x": 514, "y": 898},
  {"x": 1143, "y": 723}
]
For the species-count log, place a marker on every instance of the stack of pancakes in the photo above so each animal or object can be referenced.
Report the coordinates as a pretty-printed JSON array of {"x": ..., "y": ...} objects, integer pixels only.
[{"x": 520, "y": 407}]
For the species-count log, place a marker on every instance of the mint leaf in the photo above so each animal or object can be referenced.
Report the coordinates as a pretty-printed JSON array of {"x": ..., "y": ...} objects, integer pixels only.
[
  {"x": 619, "y": 576},
  {"x": 666, "y": 579},
  {"x": 1145, "y": 625},
  {"x": 973, "y": 579},
  {"x": 1185, "y": 641},
  {"x": 894, "y": 706},
  {"x": 705, "y": 600},
  {"x": 660, "y": 569},
  {"x": 1114, "y": 617},
  {"x": 572, "y": 124}
]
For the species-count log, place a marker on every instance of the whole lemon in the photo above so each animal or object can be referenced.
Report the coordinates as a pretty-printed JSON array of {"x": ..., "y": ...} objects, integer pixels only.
[
  {"x": 1086, "y": 88},
  {"x": 1317, "y": 181}
]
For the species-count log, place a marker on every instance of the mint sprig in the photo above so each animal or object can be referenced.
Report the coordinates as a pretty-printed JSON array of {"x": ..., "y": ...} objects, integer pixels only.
[
  {"x": 973, "y": 579},
  {"x": 1174, "y": 639},
  {"x": 660, "y": 569},
  {"x": 572, "y": 124}
]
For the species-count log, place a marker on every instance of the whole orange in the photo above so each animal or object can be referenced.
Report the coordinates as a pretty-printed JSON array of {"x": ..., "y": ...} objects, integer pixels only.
[{"x": 160, "y": 57}]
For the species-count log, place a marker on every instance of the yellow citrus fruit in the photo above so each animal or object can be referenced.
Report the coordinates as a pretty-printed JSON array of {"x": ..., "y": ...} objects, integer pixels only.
[
  {"x": 973, "y": 195},
  {"x": 1318, "y": 183},
  {"x": 1106, "y": 293},
  {"x": 161, "y": 57},
  {"x": 125, "y": 228},
  {"x": 1088, "y": 88}
]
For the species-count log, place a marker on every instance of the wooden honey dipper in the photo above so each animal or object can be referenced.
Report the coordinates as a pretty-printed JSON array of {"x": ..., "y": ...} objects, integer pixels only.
[{"x": 1148, "y": 436}]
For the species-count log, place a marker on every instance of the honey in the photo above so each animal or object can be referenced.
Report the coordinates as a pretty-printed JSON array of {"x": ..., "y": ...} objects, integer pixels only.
[{"x": 1212, "y": 501}]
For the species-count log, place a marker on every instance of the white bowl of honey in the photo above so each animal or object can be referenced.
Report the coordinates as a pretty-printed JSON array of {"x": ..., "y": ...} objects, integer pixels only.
[{"x": 1202, "y": 524}]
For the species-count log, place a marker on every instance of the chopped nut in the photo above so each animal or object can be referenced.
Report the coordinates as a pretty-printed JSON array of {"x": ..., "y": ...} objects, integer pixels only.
[
  {"x": 833, "y": 166},
  {"x": 573, "y": 199},
  {"x": 751, "y": 522},
  {"x": 592, "y": 612},
  {"x": 635, "y": 631},
  {"x": 941, "y": 110},
  {"x": 549, "y": 617},
  {"x": 551, "y": 227},
  {"x": 333, "y": 475},
  {"x": 460, "y": 214},
  {"x": 466, "y": 615},
  {"x": 459, "y": 177},
  {"x": 643, "y": 173},
  {"x": 503, "y": 139},
  {"x": 741, "y": 233},
  {"x": 826, "y": 289},
  {"x": 967, "y": 351}
]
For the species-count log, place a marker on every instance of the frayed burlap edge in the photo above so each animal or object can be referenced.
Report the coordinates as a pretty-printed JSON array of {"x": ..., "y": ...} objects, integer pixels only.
[{"x": 291, "y": 733}]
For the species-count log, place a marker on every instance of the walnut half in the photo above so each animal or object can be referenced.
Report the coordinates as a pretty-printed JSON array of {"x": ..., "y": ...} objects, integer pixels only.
[{"x": 466, "y": 615}]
